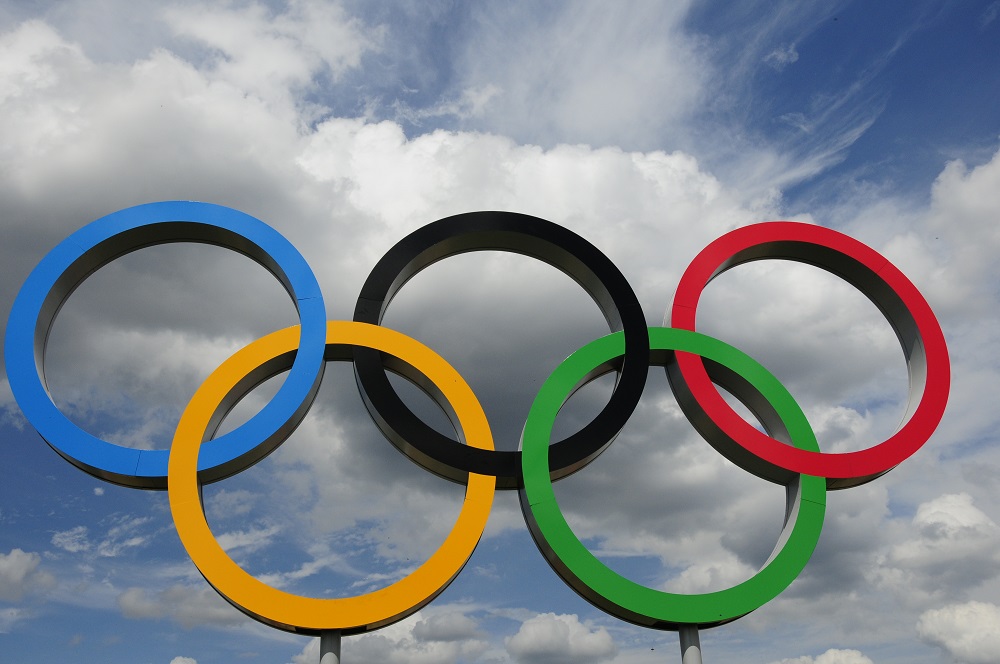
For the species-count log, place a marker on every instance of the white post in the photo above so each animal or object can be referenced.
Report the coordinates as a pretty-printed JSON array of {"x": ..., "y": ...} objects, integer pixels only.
[
  {"x": 329, "y": 647},
  {"x": 690, "y": 645}
]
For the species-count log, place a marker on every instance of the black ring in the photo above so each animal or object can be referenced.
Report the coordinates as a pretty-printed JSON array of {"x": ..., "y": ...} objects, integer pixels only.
[{"x": 522, "y": 234}]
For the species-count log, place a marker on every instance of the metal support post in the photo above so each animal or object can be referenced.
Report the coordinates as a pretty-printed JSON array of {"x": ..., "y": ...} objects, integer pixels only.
[
  {"x": 329, "y": 647},
  {"x": 690, "y": 645}
]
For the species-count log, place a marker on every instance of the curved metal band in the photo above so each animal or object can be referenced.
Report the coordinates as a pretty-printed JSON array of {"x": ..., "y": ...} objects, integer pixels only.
[
  {"x": 53, "y": 280},
  {"x": 523, "y": 234},
  {"x": 748, "y": 381},
  {"x": 896, "y": 297},
  {"x": 294, "y": 613}
]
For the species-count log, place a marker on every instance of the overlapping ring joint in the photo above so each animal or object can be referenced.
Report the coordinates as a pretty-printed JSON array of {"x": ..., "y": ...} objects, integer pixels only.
[{"x": 786, "y": 451}]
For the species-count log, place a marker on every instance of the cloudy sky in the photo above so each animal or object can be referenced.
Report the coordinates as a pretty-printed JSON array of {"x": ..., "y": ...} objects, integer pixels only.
[{"x": 648, "y": 128}]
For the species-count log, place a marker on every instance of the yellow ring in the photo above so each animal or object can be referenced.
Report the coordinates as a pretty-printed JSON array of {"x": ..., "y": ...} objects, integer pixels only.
[{"x": 295, "y": 613}]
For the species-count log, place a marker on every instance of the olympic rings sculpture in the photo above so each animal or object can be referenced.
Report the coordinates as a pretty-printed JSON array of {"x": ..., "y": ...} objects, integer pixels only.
[{"x": 696, "y": 365}]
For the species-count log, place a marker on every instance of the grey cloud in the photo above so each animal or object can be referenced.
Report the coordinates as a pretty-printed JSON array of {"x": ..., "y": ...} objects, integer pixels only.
[
  {"x": 446, "y": 627},
  {"x": 188, "y": 606},
  {"x": 953, "y": 547},
  {"x": 135, "y": 604}
]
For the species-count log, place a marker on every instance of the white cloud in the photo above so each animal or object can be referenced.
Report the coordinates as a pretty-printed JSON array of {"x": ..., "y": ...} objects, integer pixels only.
[
  {"x": 20, "y": 574},
  {"x": 471, "y": 103},
  {"x": 247, "y": 541},
  {"x": 10, "y": 617},
  {"x": 125, "y": 534},
  {"x": 183, "y": 660},
  {"x": 968, "y": 632},
  {"x": 135, "y": 604},
  {"x": 963, "y": 201},
  {"x": 31, "y": 58},
  {"x": 560, "y": 639},
  {"x": 321, "y": 559},
  {"x": 832, "y": 656},
  {"x": 725, "y": 571},
  {"x": 228, "y": 504},
  {"x": 781, "y": 57},
  {"x": 272, "y": 54},
  {"x": 73, "y": 540},
  {"x": 646, "y": 78},
  {"x": 437, "y": 636},
  {"x": 582, "y": 73}
]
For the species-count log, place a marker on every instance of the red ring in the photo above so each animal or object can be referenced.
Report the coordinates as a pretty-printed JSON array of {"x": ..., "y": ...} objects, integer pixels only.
[{"x": 896, "y": 297}]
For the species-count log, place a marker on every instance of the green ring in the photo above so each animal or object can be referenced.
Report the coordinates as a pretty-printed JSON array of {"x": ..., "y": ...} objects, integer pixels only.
[{"x": 608, "y": 590}]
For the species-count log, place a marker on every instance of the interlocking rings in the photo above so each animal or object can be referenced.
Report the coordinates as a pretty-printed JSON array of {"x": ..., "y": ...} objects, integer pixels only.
[{"x": 693, "y": 363}]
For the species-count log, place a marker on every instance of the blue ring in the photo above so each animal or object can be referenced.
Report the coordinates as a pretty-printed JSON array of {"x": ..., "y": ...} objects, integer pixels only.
[{"x": 69, "y": 263}]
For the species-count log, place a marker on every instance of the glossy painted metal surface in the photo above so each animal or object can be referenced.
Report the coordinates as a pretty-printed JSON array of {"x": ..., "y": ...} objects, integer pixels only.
[
  {"x": 531, "y": 236},
  {"x": 310, "y": 615},
  {"x": 52, "y": 282},
  {"x": 896, "y": 297},
  {"x": 787, "y": 453},
  {"x": 616, "y": 594}
]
